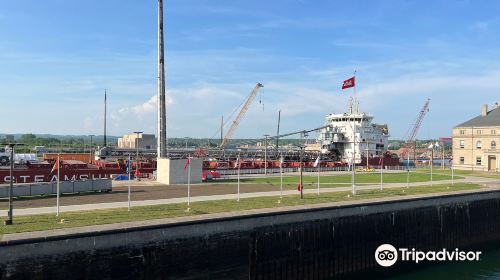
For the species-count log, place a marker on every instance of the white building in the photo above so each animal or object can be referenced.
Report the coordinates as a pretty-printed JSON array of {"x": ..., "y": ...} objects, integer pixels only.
[
  {"x": 130, "y": 141},
  {"x": 353, "y": 132}
]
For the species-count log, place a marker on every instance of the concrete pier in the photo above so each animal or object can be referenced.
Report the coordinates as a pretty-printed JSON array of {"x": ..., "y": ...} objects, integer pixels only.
[{"x": 305, "y": 242}]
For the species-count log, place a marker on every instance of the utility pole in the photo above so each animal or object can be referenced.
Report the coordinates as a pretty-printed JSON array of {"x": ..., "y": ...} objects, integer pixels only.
[
  {"x": 265, "y": 153},
  {"x": 162, "y": 114},
  {"x": 137, "y": 152},
  {"x": 11, "y": 183}
]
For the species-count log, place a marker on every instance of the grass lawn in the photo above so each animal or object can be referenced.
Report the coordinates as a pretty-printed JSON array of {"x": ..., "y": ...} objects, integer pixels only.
[
  {"x": 345, "y": 179},
  {"x": 447, "y": 171},
  {"x": 97, "y": 217}
]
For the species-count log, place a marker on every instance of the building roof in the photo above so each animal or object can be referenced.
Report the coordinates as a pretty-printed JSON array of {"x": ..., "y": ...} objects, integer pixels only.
[{"x": 492, "y": 118}]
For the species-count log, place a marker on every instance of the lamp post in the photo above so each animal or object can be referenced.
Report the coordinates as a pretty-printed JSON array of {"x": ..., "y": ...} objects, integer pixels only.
[
  {"x": 265, "y": 153},
  {"x": 431, "y": 147},
  {"x": 11, "y": 183},
  {"x": 137, "y": 152}
]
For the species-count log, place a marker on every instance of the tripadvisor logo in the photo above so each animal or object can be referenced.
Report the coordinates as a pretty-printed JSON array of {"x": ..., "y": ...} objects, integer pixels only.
[{"x": 387, "y": 255}]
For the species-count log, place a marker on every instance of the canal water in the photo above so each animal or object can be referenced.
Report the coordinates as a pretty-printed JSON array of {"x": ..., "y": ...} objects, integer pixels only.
[{"x": 488, "y": 268}]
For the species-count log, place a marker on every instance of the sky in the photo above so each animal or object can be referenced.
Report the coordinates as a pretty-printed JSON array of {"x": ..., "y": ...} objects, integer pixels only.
[{"x": 57, "y": 57}]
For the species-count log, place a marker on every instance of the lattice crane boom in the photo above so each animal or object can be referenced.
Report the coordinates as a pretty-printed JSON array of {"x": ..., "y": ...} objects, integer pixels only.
[
  {"x": 241, "y": 114},
  {"x": 411, "y": 137}
]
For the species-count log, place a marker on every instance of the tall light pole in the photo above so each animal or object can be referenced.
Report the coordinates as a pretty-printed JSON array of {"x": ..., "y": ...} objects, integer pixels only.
[
  {"x": 137, "y": 152},
  {"x": 11, "y": 183},
  {"x": 265, "y": 153},
  {"x": 162, "y": 113}
]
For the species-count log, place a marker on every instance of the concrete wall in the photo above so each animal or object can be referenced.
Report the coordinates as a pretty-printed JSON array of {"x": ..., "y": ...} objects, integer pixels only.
[
  {"x": 51, "y": 188},
  {"x": 171, "y": 171},
  {"x": 316, "y": 243}
]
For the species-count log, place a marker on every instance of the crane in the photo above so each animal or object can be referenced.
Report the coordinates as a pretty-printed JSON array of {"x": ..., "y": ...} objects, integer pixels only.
[
  {"x": 240, "y": 115},
  {"x": 410, "y": 141}
]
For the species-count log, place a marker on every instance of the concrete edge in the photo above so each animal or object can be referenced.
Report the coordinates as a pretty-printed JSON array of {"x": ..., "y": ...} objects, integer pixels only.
[{"x": 97, "y": 230}]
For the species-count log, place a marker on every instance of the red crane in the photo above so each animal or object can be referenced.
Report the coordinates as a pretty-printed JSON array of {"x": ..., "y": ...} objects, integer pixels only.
[
  {"x": 410, "y": 141},
  {"x": 240, "y": 115}
]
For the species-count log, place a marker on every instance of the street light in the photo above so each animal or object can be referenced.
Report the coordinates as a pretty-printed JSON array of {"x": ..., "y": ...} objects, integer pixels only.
[
  {"x": 431, "y": 147},
  {"x": 11, "y": 185},
  {"x": 137, "y": 152}
]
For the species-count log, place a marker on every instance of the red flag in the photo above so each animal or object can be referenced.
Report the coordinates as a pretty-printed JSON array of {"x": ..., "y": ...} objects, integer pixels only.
[
  {"x": 55, "y": 167},
  {"x": 188, "y": 162},
  {"x": 349, "y": 83},
  {"x": 298, "y": 187}
]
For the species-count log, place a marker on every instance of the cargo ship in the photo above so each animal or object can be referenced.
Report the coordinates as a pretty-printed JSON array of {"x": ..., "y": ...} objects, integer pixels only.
[
  {"x": 345, "y": 138},
  {"x": 352, "y": 136}
]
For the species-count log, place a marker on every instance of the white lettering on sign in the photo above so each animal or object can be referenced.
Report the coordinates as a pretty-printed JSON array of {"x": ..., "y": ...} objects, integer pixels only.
[
  {"x": 84, "y": 177},
  {"x": 66, "y": 178},
  {"x": 24, "y": 178},
  {"x": 39, "y": 178}
]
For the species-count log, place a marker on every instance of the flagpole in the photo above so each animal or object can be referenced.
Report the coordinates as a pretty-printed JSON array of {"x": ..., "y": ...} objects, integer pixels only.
[
  {"x": 58, "y": 183},
  {"x": 408, "y": 170},
  {"x": 382, "y": 174},
  {"x": 238, "y": 162},
  {"x": 128, "y": 170},
  {"x": 319, "y": 170},
  {"x": 281, "y": 177},
  {"x": 354, "y": 139},
  {"x": 189, "y": 181},
  {"x": 432, "y": 159},
  {"x": 353, "y": 165},
  {"x": 452, "y": 175}
]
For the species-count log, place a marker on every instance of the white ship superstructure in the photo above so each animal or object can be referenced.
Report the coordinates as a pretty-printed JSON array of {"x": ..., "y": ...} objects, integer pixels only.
[{"x": 353, "y": 133}]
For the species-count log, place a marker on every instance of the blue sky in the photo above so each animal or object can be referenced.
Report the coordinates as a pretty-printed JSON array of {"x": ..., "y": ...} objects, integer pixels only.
[{"x": 58, "y": 56}]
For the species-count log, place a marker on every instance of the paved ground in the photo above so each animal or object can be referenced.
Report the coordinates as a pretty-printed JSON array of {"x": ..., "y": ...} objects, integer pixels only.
[{"x": 151, "y": 193}]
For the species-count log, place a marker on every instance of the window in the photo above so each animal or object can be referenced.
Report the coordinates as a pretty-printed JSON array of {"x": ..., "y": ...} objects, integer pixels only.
[
  {"x": 462, "y": 132},
  {"x": 479, "y": 145},
  {"x": 478, "y": 160},
  {"x": 479, "y": 132},
  {"x": 493, "y": 132},
  {"x": 493, "y": 145},
  {"x": 462, "y": 160},
  {"x": 462, "y": 144}
]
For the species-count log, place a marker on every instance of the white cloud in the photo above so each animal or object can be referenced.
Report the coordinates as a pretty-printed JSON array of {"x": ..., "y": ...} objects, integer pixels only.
[{"x": 142, "y": 116}]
